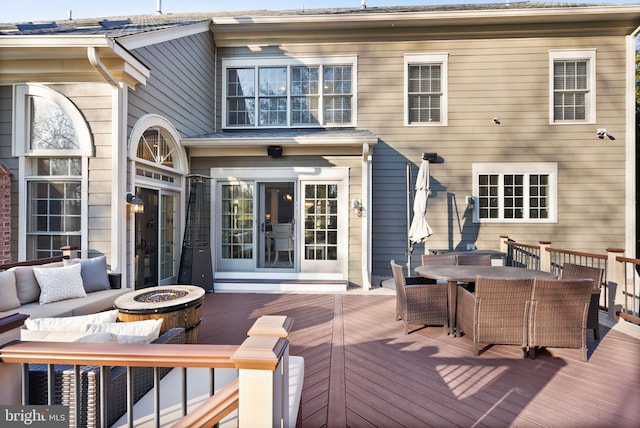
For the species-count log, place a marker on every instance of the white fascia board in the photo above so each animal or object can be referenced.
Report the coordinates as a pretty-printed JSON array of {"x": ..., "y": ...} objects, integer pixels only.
[
  {"x": 149, "y": 38},
  {"x": 71, "y": 41},
  {"x": 487, "y": 16},
  {"x": 267, "y": 141},
  {"x": 132, "y": 65}
]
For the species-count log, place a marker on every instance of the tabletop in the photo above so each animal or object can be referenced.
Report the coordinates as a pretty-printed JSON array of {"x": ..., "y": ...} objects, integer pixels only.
[{"x": 468, "y": 273}]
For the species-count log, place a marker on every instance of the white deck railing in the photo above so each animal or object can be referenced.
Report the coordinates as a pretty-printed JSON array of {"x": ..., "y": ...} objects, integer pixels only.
[
  {"x": 260, "y": 395},
  {"x": 621, "y": 283}
]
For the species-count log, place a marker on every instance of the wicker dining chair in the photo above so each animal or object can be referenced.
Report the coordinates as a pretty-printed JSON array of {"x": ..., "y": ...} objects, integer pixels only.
[
  {"x": 419, "y": 301},
  {"x": 573, "y": 271},
  {"x": 439, "y": 259},
  {"x": 496, "y": 313},
  {"x": 558, "y": 314},
  {"x": 474, "y": 259}
]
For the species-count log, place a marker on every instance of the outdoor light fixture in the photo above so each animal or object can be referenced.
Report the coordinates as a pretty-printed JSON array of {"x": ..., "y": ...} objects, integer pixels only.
[
  {"x": 274, "y": 151},
  {"x": 357, "y": 206},
  {"x": 136, "y": 204},
  {"x": 430, "y": 156}
]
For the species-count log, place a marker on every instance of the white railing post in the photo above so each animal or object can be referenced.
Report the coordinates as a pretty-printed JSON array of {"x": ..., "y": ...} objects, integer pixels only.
[
  {"x": 259, "y": 362},
  {"x": 545, "y": 256},
  {"x": 504, "y": 248},
  {"x": 277, "y": 326},
  {"x": 615, "y": 283}
]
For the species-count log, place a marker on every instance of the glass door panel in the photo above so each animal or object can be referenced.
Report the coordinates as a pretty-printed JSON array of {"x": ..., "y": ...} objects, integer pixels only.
[
  {"x": 146, "y": 240},
  {"x": 276, "y": 246},
  {"x": 322, "y": 250},
  {"x": 168, "y": 238},
  {"x": 237, "y": 226}
]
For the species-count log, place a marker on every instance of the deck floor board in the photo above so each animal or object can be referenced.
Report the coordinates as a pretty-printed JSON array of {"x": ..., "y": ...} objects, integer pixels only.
[{"x": 361, "y": 370}]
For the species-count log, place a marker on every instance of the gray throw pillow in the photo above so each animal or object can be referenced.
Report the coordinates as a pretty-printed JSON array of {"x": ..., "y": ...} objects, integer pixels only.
[
  {"x": 93, "y": 272},
  {"x": 26, "y": 284},
  {"x": 8, "y": 292}
]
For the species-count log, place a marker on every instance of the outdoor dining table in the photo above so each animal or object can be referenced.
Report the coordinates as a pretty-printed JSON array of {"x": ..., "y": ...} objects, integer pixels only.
[{"x": 454, "y": 274}]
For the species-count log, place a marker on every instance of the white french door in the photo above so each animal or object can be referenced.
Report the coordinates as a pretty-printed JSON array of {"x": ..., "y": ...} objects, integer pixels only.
[{"x": 280, "y": 221}]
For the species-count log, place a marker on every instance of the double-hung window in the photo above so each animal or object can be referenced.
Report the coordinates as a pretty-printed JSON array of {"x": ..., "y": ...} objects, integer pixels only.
[
  {"x": 515, "y": 192},
  {"x": 426, "y": 89},
  {"x": 572, "y": 86},
  {"x": 282, "y": 93},
  {"x": 53, "y": 141}
]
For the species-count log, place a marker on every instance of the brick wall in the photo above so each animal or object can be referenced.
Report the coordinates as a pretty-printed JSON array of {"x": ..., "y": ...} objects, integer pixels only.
[{"x": 5, "y": 214}]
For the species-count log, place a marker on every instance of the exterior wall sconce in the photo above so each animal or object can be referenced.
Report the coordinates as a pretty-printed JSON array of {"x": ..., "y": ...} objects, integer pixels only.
[
  {"x": 357, "y": 206},
  {"x": 136, "y": 204}
]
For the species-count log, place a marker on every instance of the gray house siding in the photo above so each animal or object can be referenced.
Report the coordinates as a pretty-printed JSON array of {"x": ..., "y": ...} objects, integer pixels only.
[
  {"x": 508, "y": 79},
  {"x": 487, "y": 77},
  {"x": 181, "y": 86}
]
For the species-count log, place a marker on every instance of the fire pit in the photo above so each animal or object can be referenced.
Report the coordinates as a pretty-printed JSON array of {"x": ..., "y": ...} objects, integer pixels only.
[{"x": 177, "y": 305}]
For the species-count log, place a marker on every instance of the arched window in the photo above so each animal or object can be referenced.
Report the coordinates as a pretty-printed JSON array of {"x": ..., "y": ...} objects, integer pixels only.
[{"x": 54, "y": 140}]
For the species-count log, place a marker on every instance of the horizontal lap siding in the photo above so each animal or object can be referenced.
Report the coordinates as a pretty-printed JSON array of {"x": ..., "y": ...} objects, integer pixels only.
[
  {"x": 95, "y": 103},
  {"x": 181, "y": 86},
  {"x": 506, "y": 78}
]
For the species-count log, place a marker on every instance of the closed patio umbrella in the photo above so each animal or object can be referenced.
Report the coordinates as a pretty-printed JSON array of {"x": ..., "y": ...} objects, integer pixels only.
[{"x": 420, "y": 229}]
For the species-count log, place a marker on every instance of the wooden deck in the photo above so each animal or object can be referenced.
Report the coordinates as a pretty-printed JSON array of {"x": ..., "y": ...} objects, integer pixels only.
[{"x": 361, "y": 370}]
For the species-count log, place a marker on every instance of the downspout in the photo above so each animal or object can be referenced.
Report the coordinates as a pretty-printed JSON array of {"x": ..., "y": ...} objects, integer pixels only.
[
  {"x": 366, "y": 217},
  {"x": 119, "y": 160},
  {"x": 630, "y": 152}
]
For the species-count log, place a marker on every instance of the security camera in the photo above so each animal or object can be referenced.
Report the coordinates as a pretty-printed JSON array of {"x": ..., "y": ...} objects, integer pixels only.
[
  {"x": 602, "y": 132},
  {"x": 496, "y": 121}
]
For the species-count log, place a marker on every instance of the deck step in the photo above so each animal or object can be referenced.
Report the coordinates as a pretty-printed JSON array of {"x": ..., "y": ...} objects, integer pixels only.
[{"x": 239, "y": 285}]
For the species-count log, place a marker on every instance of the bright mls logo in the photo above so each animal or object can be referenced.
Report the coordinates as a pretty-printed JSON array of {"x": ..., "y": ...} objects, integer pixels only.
[{"x": 34, "y": 416}]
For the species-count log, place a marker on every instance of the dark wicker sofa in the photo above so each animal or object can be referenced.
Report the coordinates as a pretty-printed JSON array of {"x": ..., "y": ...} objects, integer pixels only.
[{"x": 90, "y": 385}]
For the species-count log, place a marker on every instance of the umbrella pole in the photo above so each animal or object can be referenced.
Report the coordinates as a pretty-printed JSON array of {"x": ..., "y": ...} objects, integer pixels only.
[{"x": 409, "y": 246}]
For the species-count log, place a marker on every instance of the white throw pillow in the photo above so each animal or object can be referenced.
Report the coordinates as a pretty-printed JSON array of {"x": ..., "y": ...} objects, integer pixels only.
[
  {"x": 130, "y": 332},
  {"x": 50, "y": 336},
  {"x": 103, "y": 337},
  {"x": 77, "y": 323},
  {"x": 59, "y": 283}
]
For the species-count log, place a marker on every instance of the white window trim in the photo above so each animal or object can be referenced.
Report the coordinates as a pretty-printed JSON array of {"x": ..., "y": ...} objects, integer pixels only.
[
  {"x": 588, "y": 55},
  {"x": 550, "y": 168},
  {"x": 428, "y": 58},
  {"x": 21, "y": 149},
  {"x": 21, "y": 122},
  {"x": 290, "y": 62}
]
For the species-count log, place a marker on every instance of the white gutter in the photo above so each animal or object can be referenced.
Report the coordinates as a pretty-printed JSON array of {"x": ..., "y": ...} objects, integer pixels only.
[{"x": 94, "y": 59}]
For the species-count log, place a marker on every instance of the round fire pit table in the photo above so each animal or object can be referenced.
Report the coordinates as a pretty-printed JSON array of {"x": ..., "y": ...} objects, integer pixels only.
[{"x": 177, "y": 305}]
